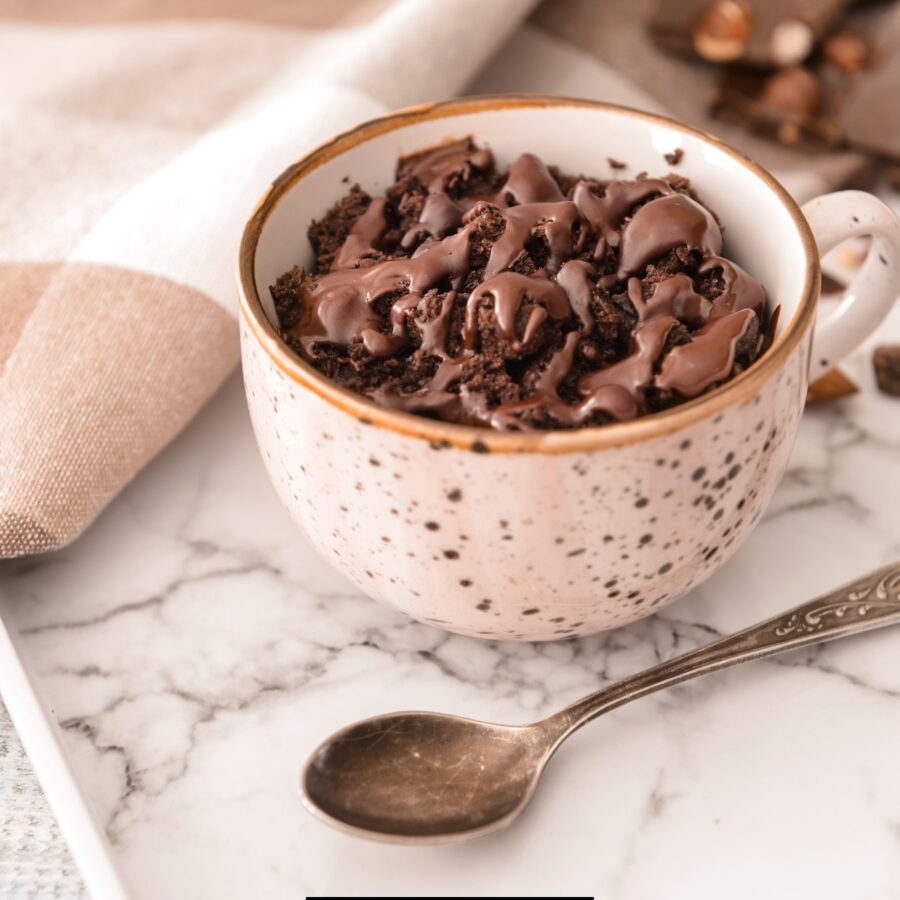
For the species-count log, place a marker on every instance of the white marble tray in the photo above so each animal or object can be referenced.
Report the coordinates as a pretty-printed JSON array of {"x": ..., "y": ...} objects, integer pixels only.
[{"x": 194, "y": 649}]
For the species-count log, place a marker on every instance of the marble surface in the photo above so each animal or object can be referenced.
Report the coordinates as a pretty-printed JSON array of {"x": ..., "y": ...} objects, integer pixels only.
[{"x": 194, "y": 650}]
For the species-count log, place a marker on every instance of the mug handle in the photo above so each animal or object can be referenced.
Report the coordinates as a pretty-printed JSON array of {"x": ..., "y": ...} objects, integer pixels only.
[{"x": 869, "y": 297}]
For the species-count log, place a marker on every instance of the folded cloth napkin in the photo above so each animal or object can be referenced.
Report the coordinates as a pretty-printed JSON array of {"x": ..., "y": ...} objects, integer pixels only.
[{"x": 133, "y": 151}]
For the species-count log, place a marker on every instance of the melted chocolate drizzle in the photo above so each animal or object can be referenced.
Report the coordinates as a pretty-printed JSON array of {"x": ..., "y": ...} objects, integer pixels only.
[
  {"x": 373, "y": 301},
  {"x": 662, "y": 224}
]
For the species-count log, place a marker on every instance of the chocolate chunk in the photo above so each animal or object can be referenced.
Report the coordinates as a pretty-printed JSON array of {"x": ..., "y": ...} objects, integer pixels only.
[
  {"x": 831, "y": 386},
  {"x": 831, "y": 286},
  {"x": 886, "y": 360},
  {"x": 521, "y": 299}
]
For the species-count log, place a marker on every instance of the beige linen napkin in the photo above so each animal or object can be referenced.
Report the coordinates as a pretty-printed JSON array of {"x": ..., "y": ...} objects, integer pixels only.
[{"x": 132, "y": 151}]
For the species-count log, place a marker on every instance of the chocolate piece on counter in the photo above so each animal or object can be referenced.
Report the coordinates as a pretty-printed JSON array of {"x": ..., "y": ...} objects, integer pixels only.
[
  {"x": 832, "y": 385},
  {"x": 830, "y": 286},
  {"x": 886, "y": 361},
  {"x": 521, "y": 300},
  {"x": 761, "y": 33}
]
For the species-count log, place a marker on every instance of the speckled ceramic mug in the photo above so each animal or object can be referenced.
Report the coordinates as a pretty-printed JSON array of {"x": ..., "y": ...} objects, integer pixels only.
[{"x": 541, "y": 536}]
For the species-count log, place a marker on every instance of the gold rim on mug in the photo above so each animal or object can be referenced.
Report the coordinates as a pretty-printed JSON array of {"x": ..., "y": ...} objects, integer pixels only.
[{"x": 470, "y": 437}]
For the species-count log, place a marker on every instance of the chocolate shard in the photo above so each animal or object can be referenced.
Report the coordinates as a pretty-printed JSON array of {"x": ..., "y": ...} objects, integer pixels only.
[
  {"x": 831, "y": 386},
  {"x": 886, "y": 361}
]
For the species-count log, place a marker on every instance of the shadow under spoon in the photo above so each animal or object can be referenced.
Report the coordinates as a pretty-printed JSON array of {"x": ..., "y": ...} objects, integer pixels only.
[{"x": 427, "y": 778}]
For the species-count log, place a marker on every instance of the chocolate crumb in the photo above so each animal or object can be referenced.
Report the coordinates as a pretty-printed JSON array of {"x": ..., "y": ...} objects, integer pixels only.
[{"x": 674, "y": 157}]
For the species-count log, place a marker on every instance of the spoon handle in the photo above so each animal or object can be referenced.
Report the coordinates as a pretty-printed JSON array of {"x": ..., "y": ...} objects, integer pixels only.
[{"x": 872, "y": 601}]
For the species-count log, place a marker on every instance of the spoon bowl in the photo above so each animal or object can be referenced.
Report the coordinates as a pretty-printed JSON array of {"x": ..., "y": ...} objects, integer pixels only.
[{"x": 424, "y": 777}]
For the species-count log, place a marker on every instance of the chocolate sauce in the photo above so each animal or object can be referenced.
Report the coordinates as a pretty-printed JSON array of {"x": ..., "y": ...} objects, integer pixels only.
[
  {"x": 691, "y": 368},
  {"x": 740, "y": 290},
  {"x": 435, "y": 168},
  {"x": 557, "y": 222},
  {"x": 440, "y": 215},
  {"x": 662, "y": 224},
  {"x": 339, "y": 306},
  {"x": 506, "y": 301},
  {"x": 529, "y": 181},
  {"x": 365, "y": 236}
]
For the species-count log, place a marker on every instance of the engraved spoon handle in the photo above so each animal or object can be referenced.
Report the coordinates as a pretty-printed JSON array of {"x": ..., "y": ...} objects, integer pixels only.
[{"x": 872, "y": 601}]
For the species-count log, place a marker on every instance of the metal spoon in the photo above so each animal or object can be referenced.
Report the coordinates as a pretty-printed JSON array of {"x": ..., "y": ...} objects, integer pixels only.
[{"x": 428, "y": 778}]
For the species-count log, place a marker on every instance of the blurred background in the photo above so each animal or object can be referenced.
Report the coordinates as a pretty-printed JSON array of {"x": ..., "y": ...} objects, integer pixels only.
[{"x": 137, "y": 134}]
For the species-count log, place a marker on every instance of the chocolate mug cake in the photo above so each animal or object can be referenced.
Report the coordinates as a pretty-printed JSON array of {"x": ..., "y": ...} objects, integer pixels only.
[{"x": 523, "y": 299}]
